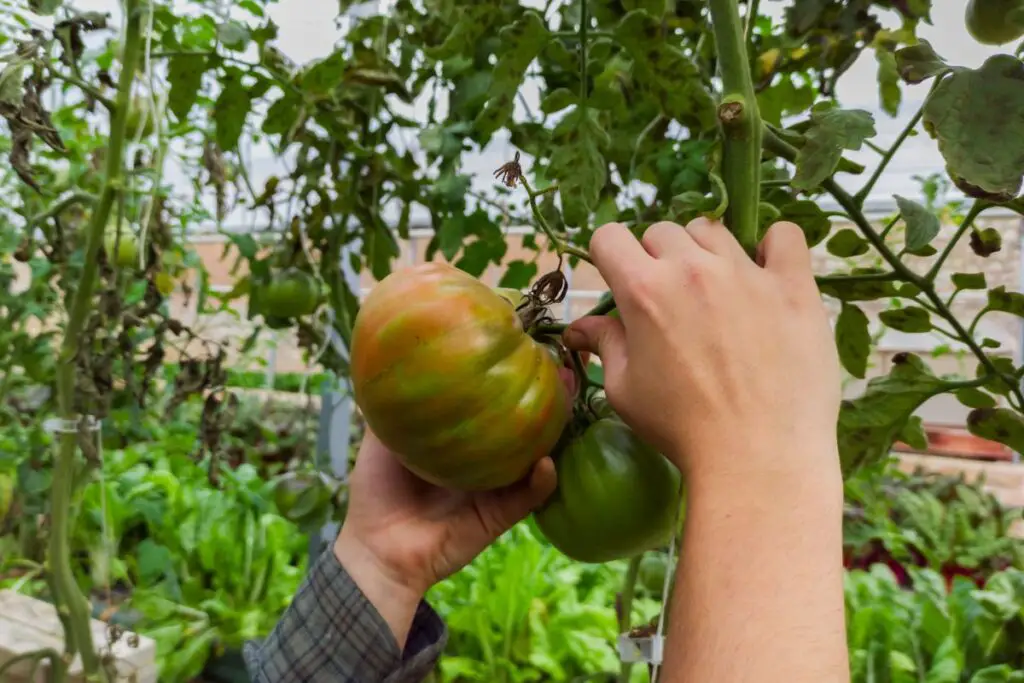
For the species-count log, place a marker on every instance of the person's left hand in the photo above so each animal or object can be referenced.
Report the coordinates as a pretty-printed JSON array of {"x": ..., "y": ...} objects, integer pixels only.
[{"x": 402, "y": 535}]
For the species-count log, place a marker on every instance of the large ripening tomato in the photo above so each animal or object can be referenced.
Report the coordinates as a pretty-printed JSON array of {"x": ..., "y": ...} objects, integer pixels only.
[
  {"x": 616, "y": 496},
  {"x": 446, "y": 378},
  {"x": 995, "y": 22}
]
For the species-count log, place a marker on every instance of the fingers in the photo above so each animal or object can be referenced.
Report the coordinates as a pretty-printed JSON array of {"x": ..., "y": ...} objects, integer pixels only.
[
  {"x": 713, "y": 236},
  {"x": 604, "y": 336},
  {"x": 501, "y": 510},
  {"x": 617, "y": 254},
  {"x": 784, "y": 249},
  {"x": 666, "y": 239}
]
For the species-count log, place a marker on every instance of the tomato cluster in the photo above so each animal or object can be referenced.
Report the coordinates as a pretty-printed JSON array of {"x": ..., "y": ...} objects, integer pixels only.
[{"x": 446, "y": 377}]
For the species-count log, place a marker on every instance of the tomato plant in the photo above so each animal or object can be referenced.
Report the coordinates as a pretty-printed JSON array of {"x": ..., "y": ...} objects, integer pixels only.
[
  {"x": 617, "y": 497},
  {"x": 707, "y": 110},
  {"x": 446, "y": 376}
]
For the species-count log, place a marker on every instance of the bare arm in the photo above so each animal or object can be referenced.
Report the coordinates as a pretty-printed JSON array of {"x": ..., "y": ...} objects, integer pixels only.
[{"x": 759, "y": 589}]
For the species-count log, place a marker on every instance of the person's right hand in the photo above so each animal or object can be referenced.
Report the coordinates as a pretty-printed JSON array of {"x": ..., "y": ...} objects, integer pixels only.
[{"x": 726, "y": 365}]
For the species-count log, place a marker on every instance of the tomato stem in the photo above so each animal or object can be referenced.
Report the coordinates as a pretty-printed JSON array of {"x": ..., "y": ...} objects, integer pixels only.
[
  {"x": 740, "y": 124},
  {"x": 561, "y": 247},
  {"x": 626, "y": 608}
]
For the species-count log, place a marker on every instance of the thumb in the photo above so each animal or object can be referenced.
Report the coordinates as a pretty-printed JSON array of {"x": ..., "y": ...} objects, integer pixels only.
[{"x": 602, "y": 335}]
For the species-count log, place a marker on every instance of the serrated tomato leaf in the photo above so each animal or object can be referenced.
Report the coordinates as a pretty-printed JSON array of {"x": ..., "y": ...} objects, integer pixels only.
[{"x": 976, "y": 115}]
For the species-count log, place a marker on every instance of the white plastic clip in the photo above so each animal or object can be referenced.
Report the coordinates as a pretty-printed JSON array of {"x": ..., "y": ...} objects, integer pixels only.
[
  {"x": 57, "y": 425},
  {"x": 645, "y": 649}
]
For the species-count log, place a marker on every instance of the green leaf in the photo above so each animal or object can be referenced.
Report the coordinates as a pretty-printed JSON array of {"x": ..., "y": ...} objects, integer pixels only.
[
  {"x": 830, "y": 132},
  {"x": 1001, "y": 673},
  {"x": 185, "y": 74},
  {"x": 518, "y": 275},
  {"x": 846, "y": 244},
  {"x": 450, "y": 237},
  {"x": 889, "y": 93},
  {"x": 922, "y": 224},
  {"x": 1001, "y": 425},
  {"x": 869, "y": 423},
  {"x": 521, "y": 43},
  {"x": 11, "y": 79},
  {"x": 488, "y": 247},
  {"x": 45, "y": 7},
  {"x": 913, "y": 433},
  {"x": 976, "y": 115},
  {"x": 853, "y": 290},
  {"x": 986, "y": 242},
  {"x": 811, "y": 219},
  {"x": 579, "y": 166},
  {"x": 231, "y": 109},
  {"x": 1007, "y": 302},
  {"x": 475, "y": 20},
  {"x": 557, "y": 100},
  {"x": 379, "y": 248},
  {"x": 154, "y": 560},
  {"x": 974, "y": 398},
  {"x": 918, "y": 63},
  {"x": 673, "y": 78},
  {"x": 908, "y": 319},
  {"x": 853, "y": 340},
  {"x": 969, "y": 280}
]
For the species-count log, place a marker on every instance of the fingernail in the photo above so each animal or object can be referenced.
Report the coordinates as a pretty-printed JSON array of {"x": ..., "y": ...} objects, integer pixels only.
[{"x": 573, "y": 338}]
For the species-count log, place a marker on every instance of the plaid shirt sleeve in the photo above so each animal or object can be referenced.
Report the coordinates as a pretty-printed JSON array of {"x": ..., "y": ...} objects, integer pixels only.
[{"x": 332, "y": 634}]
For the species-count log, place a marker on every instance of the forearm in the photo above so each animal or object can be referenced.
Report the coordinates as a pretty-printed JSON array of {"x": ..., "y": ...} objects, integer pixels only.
[{"x": 759, "y": 590}]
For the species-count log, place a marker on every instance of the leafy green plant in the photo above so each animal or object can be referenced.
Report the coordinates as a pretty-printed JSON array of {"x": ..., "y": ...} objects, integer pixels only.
[
  {"x": 931, "y": 634},
  {"x": 942, "y": 522},
  {"x": 522, "y": 611}
]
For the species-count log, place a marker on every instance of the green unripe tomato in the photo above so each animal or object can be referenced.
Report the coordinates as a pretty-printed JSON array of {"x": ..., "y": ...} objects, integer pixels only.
[
  {"x": 127, "y": 252},
  {"x": 995, "y": 22},
  {"x": 290, "y": 294},
  {"x": 617, "y": 497},
  {"x": 653, "y": 570},
  {"x": 140, "y": 119},
  {"x": 302, "y": 497}
]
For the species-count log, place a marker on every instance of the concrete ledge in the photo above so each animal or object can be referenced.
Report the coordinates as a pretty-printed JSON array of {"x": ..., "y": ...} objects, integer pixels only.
[{"x": 28, "y": 624}]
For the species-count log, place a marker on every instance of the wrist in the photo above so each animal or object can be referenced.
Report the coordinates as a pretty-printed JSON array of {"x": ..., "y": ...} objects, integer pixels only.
[
  {"x": 394, "y": 596},
  {"x": 762, "y": 465}
]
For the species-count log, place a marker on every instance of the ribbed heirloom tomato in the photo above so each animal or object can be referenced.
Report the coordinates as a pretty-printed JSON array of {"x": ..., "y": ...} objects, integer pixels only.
[
  {"x": 446, "y": 378},
  {"x": 616, "y": 496}
]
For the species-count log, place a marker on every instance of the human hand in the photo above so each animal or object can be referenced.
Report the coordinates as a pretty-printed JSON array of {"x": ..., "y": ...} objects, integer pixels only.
[
  {"x": 402, "y": 535},
  {"x": 715, "y": 356}
]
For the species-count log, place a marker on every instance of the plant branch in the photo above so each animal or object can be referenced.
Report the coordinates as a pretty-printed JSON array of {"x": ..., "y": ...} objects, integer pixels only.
[
  {"x": 68, "y": 599},
  {"x": 58, "y": 669},
  {"x": 84, "y": 87},
  {"x": 856, "y": 277},
  {"x": 888, "y": 155},
  {"x": 844, "y": 199},
  {"x": 976, "y": 208},
  {"x": 740, "y": 123},
  {"x": 561, "y": 247},
  {"x": 60, "y": 207},
  {"x": 584, "y": 27},
  {"x": 890, "y": 225}
]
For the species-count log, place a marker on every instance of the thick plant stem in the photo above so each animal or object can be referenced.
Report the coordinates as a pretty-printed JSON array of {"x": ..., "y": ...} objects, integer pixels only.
[
  {"x": 740, "y": 121},
  {"x": 68, "y": 599},
  {"x": 626, "y": 609}
]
